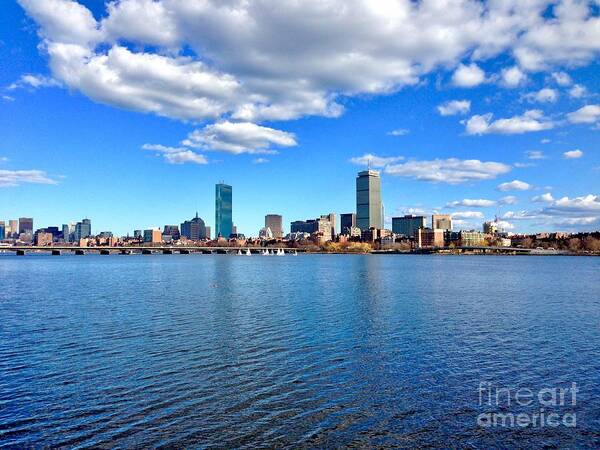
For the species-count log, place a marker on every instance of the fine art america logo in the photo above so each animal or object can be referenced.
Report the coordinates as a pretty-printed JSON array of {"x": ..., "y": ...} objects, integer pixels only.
[{"x": 545, "y": 407}]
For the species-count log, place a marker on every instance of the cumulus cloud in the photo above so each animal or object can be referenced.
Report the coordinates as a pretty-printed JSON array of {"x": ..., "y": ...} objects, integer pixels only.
[
  {"x": 544, "y": 198},
  {"x": 176, "y": 155},
  {"x": 239, "y": 137},
  {"x": 535, "y": 154},
  {"x": 467, "y": 215},
  {"x": 471, "y": 203},
  {"x": 545, "y": 95},
  {"x": 212, "y": 59},
  {"x": 508, "y": 200},
  {"x": 374, "y": 160},
  {"x": 468, "y": 76},
  {"x": 585, "y": 114},
  {"x": 454, "y": 107},
  {"x": 530, "y": 121},
  {"x": 562, "y": 78},
  {"x": 512, "y": 77},
  {"x": 573, "y": 154},
  {"x": 452, "y": 170},
  {"x": 514, "y": 185},
  {"x": 399, "y": 132},
  {"x": 11, "y": 178},
  {"x": 33, "y": 81},
  {"x": 577, "y": 91}
]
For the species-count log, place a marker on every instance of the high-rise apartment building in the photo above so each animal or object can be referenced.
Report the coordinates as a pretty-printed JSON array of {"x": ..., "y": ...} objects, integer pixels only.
[
  {"x": 441, "y": 222},
  {"x": 173, "y": 231},
  {"x": 83, "y": 229},
  {"x": 275, "y": 223},
  {"x": 369, "y": 210},
  {"x": 194, "y": 229},
  {"x": 25, "y": 225},
  {"x": 407, "y": 225},
  {"x": 347, "y": 221},
  {"x": 223, "y": 210}
]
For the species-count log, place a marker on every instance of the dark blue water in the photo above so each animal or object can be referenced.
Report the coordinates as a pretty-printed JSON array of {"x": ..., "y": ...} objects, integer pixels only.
[{"x": 308, "y": 351}]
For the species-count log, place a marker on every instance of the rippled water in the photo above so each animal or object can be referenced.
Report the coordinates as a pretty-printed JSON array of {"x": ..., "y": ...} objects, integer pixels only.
[{"x": 313, "y": 351}]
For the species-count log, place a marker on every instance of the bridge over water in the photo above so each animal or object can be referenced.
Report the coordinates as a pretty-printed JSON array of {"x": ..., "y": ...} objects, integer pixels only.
[{"x": 128, "y": 250}]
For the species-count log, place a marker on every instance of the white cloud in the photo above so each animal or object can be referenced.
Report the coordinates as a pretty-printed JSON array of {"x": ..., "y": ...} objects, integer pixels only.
[
  {"x": 471, "y": 203},
  {"x": 535, "y": 154},
  {"x": 399, "y": 132},
  {"x": 562, "y": 78},
  {"x": 544, "y": 198},
  {"x": 176, "y": 155},
  {"x": 573, "y": 154},
  {"x": 239, "y": 137},
  {"x": 530, "y": 121},
  {"x": 280, "y": 60},
  {"x": 545, "y": 141},
  {"x": 33, "y": 81},
  {"x": 468, "y": 76},
  {"x": 545, "y": 95},
  {"x": 513, "y": 77},
  {"x": 515, "y": 185},
  {"x": 11, "y": 178},
  {"x": 452, "y": 170},
  {"x": 260, "y": 161},
  {"x": 508, "y": 200},
  {"x": 577, "y": 91},
  {"x": 586, "y": 114},
  {"x": 454, "y": 107},
  {"x": 374, "y": 160},
  {"x": 467, "y": 215}
]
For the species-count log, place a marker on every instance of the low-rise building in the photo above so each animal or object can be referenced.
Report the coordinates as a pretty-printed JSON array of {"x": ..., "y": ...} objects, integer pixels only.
[
  {"x": 429, "y": 237},
  {"x": 152, "y": 236},
  {"x": 43, "y": 238},
  {"x": 472, "y": 238}
]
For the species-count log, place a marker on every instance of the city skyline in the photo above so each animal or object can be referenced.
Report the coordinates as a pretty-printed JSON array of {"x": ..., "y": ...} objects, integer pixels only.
[{"x": 473, "y": 128}]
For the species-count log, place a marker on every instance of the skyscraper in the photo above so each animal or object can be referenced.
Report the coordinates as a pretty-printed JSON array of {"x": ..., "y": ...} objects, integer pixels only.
[
  {"x": 275, "y": 223},
  {"x": 347, "y": 221},
  {"x": 407, "y": 225},
  {"x": 83, "y": 229},
  {"x": 368, "y": 200},
  {"x": 25, "y": 225},
  {"x": 441, "y": 222},
  {"x": 223, "y": 210},
  {"x": 194, "y": 229}
]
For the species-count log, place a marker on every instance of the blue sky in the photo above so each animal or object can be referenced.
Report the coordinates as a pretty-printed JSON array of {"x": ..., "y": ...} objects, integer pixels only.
[{"x": 130, "y": 113}]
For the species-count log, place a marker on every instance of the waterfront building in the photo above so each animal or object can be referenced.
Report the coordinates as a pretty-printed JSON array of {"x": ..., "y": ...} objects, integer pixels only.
[
  {"x": 347, "y": 221},
  {"x": 369, "y": 209},
  {"x": 275, "y": 223},
  {"x": 83, "y": 230},
  {"x": 105, "y": 234},
  {"x": 490, "y": 227},
  {"x": 14, "y": 228},
  {"x": 138, "y": 234},
  {"x": 319, "y": 228},
  {"x": 25, "y": 225},
  {"x": 472, "y": 238},
  {"x": 441, "y": 222},
  {"x": 152, "y": 236},
  {"x": 429, "y": 237},
  {"x": 332, "y": 217},
  {"x": 407, "y": 225},
  {"x": 43, "y": 238},
  {"x": 207, "y": 232},
  {"x": 2, "y": 231},
  {"x": 67, "y": 232},
  {"x": 172, "y": 231},
  {"x": 298, "y": 236},
  {"x": 265, "y": 233},
  {"x": 194, "y": 229},
  {"x": 223, "y": 210},
  {"x": 451, "y": 238}
]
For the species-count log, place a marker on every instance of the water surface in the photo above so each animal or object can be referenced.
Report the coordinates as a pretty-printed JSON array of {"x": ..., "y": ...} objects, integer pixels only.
[{"x": 312, "y": 351}]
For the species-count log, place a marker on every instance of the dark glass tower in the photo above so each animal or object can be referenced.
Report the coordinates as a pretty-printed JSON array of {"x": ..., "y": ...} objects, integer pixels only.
[{"x": 223, "y": 214}]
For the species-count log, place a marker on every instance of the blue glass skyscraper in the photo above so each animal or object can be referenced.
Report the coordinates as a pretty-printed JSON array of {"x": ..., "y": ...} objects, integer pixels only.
[{"x": 223, "y": 214}]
